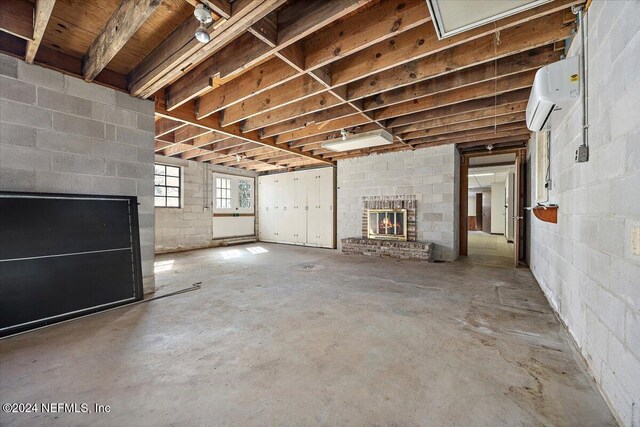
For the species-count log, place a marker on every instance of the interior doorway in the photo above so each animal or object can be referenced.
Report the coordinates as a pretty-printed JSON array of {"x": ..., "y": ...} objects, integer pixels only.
[{"x": 491, "y": 194}]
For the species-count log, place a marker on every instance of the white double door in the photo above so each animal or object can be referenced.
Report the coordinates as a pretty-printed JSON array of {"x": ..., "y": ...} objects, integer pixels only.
[{"x": 297, "y": 207}]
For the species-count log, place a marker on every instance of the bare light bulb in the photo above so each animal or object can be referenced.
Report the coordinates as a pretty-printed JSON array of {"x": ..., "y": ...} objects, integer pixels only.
[{"x": 202, "y": 35}]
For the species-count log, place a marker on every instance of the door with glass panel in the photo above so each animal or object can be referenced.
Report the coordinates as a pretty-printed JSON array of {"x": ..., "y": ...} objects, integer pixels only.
[{"x": 233, "y": 206}]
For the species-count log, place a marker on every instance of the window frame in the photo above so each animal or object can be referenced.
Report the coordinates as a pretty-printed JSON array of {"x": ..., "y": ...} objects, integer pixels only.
[
  {"x": 166, "y": 187},
  {"x": 249, "y": 191},
  {"x": 227, "y": 192}
]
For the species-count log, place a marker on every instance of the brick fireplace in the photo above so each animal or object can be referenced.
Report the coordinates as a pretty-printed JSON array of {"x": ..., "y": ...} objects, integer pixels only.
[{"x": 388, "y": 229}]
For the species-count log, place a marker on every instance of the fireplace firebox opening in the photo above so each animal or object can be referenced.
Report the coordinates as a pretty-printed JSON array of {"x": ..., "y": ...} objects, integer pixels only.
[{"x": 387, "y": 224}]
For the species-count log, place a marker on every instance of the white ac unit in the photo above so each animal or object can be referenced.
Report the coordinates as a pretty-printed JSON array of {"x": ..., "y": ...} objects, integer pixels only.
[{"x": 555, "y": 83}]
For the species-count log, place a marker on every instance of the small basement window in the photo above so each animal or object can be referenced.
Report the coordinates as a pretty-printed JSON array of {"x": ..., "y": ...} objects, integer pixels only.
[
  {"x": 167, "y": 186},
  {"x": 223, "y": 193}
]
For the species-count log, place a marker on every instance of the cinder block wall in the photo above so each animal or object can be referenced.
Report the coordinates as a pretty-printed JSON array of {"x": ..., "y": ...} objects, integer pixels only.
[
  {"x": 59, "y": 134},
  {"x": 584, "y": 263},
  {"x": 190, "y": 227},
  {"x": 429, "y": 173}
]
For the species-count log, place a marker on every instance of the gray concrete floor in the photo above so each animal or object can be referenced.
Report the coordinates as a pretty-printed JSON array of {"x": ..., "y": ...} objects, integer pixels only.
[
  {"x": 491, "y": 250},
  {"x": 302, "y": 336}
]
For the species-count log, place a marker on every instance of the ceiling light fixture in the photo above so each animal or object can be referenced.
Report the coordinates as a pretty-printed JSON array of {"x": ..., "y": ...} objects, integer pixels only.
[
  {"x": 238, "y": 158},
  {"x": 203, "y": 15},
  {"x": 490, "y": 147},
  {"x": 360, "y": 140}
]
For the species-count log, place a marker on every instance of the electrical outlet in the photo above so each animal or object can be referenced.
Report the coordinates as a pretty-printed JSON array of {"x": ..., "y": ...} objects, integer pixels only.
[
  {"x": 635, "y": 240},
  {"x": 582, "y": 154}
]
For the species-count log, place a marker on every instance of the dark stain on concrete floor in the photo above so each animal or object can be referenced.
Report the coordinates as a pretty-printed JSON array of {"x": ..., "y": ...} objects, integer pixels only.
[{"x": 302, "y": 336}]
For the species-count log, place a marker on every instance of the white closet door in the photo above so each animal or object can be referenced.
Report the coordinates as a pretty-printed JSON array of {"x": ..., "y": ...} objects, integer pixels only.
[
  {"x": 286, "y": 213},
  {"x": 300, "y": 208},
  {"x": 268, "y": 220},
  {"x": 325, "y": 209},
  {"x": 297, "y": 207},
  {"x": 313, "y": 212}
]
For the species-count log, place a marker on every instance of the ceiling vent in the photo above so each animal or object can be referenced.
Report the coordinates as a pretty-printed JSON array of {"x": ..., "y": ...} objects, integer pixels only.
[
  {"x": 452, "y": 17},
  {"x": 358, "y": 141}
]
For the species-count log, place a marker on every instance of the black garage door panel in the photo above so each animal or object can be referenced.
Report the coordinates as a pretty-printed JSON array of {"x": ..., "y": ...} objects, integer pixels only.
[
  {"x": 63, "y": 256},
  {"x": 63, "y": 285},
  {"x": 35, "y": 227}
]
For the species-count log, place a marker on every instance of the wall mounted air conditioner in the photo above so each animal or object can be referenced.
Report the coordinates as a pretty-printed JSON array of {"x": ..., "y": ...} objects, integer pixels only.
[
  {"x": 361, "y": 140},
  {"x": 555, "y": 83}
]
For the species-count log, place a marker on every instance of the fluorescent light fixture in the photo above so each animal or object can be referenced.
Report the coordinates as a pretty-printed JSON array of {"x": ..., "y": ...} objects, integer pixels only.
[
  {"x": 361, "y": 140},
  {"x": 482, "y": 174},
  {"x": 452, "y": 17}
]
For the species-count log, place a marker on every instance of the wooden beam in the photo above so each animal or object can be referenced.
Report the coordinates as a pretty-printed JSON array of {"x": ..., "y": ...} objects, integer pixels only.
[
  {"x": 480, "y": 49},
  {"x": 280, "y": 96},
  {"x": 479, "y": 90},
  {"x": 386, "y": 19},
  {"x": 166, "y": 125},
  {"x": 329, "y": 44},
  {"x": 532, "y": 34},
  {"x": 471, "y": 136},
  {"x": 463, "y": 107},
  {"x": 122, "y": 25},
  {"x": 253, "y": 82},
  {"x": 520, "y": 62},
  {"x": 181, "y": 51},
  {"x": 41, "y": 19},
  {"x": 439, "y": 117},
  {"x": 188, "y": 132},
  {"x": 438, "y": 100},
  {"x": 305, "y": 17},
  {"x": 299, "y": 108},
  {"x": 473, "y": 124},
  {"x": 266, "y": 29},
  {"x": 222, "y": 8},
  {"x": 476, "y": 52},
  {"x": 186, "y": 114},
  {"x": 422, "y": 41},
  {"x": 487, "y": 113},
  {"x": 319, "y": 118},
  {"x": 49, "y": 58},
  {"x": 239, "y": 55},
  {"x": 332, "y": 126},
  {"x": 17, "y": 18}
]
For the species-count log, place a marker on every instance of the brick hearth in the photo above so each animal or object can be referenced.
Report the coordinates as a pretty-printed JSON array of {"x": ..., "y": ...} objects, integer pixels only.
[{"x": 387, "y": 248}]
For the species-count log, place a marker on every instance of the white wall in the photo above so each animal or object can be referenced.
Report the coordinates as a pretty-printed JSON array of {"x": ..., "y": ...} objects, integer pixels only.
[
  {"x": 497, "y": 207},
  {"x": 585, "y": 264},
  {"x": 431, "y": 174},
  {"x": 191, "y": 226},
  {"x": 61, "y": 134}
]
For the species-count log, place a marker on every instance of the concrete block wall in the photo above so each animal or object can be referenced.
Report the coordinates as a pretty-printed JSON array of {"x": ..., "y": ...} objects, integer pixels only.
[
  {"x": 585, "y": 263},
  {"x": 190, "y": 226},
  {"x": 428, "y": 173},
  {"x": 61, "y": 134}
]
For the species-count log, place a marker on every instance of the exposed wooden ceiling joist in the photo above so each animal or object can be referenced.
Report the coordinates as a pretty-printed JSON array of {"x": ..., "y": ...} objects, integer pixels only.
[
  {"x": 127, "y": 19},
  {"x": 281, "y": 77},
  {"x": 41, "y": 20},
  {"x": 346, "y": 37},
  {"x": 186, "y": 114},
  {"x": 291, "y": 21},
  {"x": 181, "y": 51}
]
